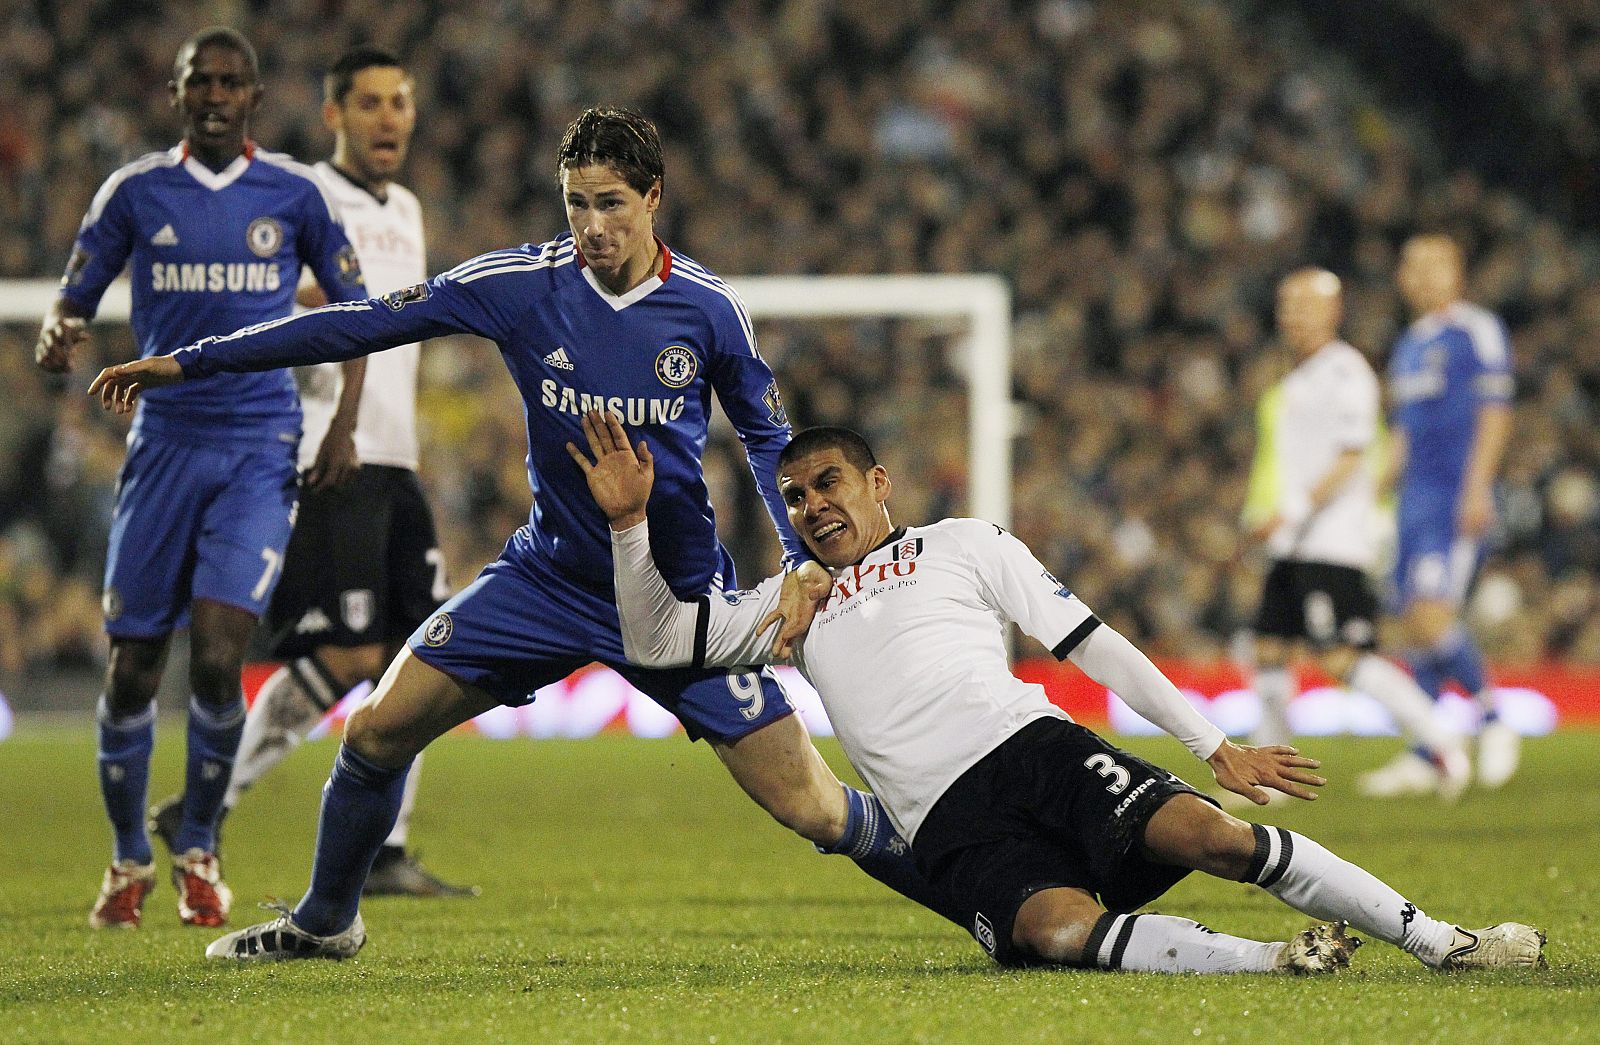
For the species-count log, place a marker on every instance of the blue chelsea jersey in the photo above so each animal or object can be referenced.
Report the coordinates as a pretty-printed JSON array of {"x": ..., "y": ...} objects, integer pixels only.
[
  {"x": 209, "y": 252},
  {"x": 1445, "y": 367},
  {"x": 653, "y": 356}
]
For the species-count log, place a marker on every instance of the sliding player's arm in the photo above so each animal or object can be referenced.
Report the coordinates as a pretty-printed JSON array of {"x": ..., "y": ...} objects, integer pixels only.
[
  {"x": 658, "y": 630},
  {"x": 1019, "y": 587}
]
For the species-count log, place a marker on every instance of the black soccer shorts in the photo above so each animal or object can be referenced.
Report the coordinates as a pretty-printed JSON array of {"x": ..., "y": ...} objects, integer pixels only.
[
  {"x": 363, "y": 565},
  {"x": 1322, "y": 603},
  {"x": 1053, "y": 806}
]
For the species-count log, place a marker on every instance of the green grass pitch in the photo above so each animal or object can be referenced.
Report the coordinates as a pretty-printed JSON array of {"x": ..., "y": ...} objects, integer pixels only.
[{"x": 632, "y": 894}]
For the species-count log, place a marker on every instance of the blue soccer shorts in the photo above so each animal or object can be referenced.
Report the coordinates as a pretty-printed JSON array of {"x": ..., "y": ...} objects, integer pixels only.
[
  {"x": 196, "y": 521},
  {"x": 1432, "y": 561},
  {"x": 523, "y": 625}
]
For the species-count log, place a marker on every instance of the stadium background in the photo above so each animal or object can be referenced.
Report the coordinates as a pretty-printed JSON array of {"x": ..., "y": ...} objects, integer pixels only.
[{"x": 1142, "y": 173}]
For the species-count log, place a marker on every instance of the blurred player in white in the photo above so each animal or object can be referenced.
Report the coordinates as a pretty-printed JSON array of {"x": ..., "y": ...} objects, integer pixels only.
[
  {"x": 1313, "y": 501},
  {"x": 363, "y": 568},
  {"x": 1051, "y": 834},
  {"x": 1450, "y": 389}
]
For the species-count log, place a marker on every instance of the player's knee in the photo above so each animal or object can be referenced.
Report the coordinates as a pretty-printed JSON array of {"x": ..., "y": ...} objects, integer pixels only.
[
  {"x": 1056, "y": 932},
  {"x": 350, "y": 665},
  {"x": 1338, "y": 662},
  {"x": 366, "y": 733},
  {"x": 1190, "y": 832},
  {"x": 214, "y": 674},
  {"x": 132, "y": 677}
]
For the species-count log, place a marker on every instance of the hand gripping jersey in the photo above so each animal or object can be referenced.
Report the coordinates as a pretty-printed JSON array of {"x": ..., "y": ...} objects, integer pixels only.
[
  {"x": 908, "y": 653},
  {"x": 388, "y": 238},
  {"x": 1447, "y": 365},
  {"x": 209, "y": 252},
  {"x": 653, "y": 356}
]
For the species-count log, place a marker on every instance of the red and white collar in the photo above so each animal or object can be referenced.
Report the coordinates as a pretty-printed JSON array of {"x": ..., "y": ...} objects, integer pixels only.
[
  {"x": 618, "y": 302},
  {"x": 215, "y": 180}
]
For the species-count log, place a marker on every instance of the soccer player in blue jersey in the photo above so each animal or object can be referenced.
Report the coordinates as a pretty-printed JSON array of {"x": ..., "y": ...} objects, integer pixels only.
[
  {"x": 1450, "y": 384},
  {"x": 214, "y": 233},
  {"x": 603, "y": 317}
]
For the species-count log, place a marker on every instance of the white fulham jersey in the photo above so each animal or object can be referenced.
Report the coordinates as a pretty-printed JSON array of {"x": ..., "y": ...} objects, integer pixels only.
[
  {"x": 908, "y": 653},
  {"x": 1328, "y": 404},
  {"x": 389, "y": 243}
]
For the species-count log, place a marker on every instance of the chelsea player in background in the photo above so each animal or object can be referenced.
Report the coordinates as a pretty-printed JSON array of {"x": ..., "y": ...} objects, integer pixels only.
[
  {"x": 1450, "y": 385},
  {"x": 214, "y": 233},
  {"x": 605, "y": 317}
]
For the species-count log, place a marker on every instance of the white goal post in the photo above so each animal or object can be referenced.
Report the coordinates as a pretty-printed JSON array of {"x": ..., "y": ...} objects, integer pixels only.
[{"x": 983, "y": 301}]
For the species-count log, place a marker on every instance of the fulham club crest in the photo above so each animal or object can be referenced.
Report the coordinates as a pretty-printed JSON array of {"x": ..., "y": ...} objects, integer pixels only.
[{"x": 907, "y": 550}]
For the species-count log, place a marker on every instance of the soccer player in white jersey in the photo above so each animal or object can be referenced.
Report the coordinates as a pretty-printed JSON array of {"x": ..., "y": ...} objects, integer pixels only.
[
  {"x": 608, "y": 314},
  {"x": 1314, "y": 503},
  {"x": 213, "y": 233},
  {"x": 1052, "y": 836},
  {"x": 363, "y": 567},
  {"x": 1450, "y": 389}
]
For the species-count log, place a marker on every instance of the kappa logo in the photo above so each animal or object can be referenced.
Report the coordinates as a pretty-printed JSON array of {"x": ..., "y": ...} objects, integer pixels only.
[
  {"x": 314, "y": 621},
  {"x": 907, "y": 550},
  {"x": 438, "y": 630},
  {"x": 983, "y": 932},
  {"x": 676, "y": 366},
  {"x": 165, "y": 238},
  {"x": 265, "y": 236},
  {"x": 559, "y": 359}
]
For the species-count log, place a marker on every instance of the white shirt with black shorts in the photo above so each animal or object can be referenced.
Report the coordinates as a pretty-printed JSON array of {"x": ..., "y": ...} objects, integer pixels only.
[
  {"x": 363, "y": 564},
  {"x": 1000, "y": 793},
  {"x": 1317, "y": 588}
]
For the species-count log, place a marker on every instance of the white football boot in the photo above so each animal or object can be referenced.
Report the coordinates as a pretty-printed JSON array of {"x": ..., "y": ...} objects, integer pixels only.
[
  {"x": 1407, "y": 774},
  {"x": 1499, "y": 752},
  {"x": 1509, "y": 945},
  {"x": 281, "y": 939},
  {"x": 1317, "y": 950}
]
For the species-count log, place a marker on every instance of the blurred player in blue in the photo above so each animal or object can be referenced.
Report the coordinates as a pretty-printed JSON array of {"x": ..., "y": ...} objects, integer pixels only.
[
  {"x": 214, "y": 233},
  {"x": 1450, "y": 385},
  {"x": 604, "y": 317}
]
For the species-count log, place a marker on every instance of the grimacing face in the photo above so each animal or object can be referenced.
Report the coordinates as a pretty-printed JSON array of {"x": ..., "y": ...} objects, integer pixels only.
[
  {"x": 835, "y": 507},
  {"x": 217, "y": 95},
  {"x": 612, "y": 223},
  {"x": 375, "y": 122}
]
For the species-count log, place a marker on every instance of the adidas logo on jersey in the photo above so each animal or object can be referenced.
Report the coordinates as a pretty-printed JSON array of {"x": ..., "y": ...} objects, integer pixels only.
[
  {"x": 165, "y": 238},
  {"x": 559, "y": 359}
]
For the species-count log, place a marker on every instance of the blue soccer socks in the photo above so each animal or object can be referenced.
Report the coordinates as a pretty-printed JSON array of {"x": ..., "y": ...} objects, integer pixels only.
[
  {"x": 213, "y": 742},
  {"x": 124, "y": 758},
  {"x": 877, "y": 848},
  {"x": 359, "y": 806}
]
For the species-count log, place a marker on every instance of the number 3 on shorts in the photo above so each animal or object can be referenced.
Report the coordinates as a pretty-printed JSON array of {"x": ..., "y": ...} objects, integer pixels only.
[
  {"x": 746, "y": 689},
  {"x": 1103, "y": 764}
]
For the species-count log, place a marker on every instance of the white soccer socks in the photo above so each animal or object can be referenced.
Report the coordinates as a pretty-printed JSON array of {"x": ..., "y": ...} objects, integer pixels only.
[
  {"x": 1405, "y": 701},
  {"x": 289, "y": 704},
  {"x": 1312, "y": 880},
  {"x": 1275, "y": 688},
  {"x": 1161, "y": 943}
]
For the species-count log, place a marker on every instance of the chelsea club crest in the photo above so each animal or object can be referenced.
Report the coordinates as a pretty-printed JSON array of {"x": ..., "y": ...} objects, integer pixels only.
[{"x": 676, "y": 366}]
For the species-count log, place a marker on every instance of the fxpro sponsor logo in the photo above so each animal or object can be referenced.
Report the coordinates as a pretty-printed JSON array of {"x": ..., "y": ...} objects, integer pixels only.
[
  {"x": 232, "y": 276},
  {"x": 633, "y": 410},
  {"x": 872, "y": 578}
]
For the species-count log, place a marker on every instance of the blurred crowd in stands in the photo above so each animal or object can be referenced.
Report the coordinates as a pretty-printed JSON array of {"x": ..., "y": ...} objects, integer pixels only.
[{"x": 1142, "y": 172}]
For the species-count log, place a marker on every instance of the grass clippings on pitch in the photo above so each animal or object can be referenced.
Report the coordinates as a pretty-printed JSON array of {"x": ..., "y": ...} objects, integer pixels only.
[{"x": 632, "y": 894}]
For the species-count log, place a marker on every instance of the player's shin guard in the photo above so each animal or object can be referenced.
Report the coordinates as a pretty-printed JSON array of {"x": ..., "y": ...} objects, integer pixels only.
[
  {"x": 124, "y": 759},
  {"x": 290, "y": 703},
  {"x": 359, "y": 805},
  {"x": 1312, "y": 880},
  {"x": 1410, "y": 707},
  {"x": 213, "y": 741},
  {"x": 877, "y": 848},
  {"x": 1160, "y": 943}
]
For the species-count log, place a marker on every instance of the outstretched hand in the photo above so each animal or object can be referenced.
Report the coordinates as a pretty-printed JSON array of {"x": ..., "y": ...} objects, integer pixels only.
[
  {"x": 621, "y": 475},
  {"x": 1246, "y": 771},
  {"x": 118, "y": 386},
  {"x": 804, "y": 589}
]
